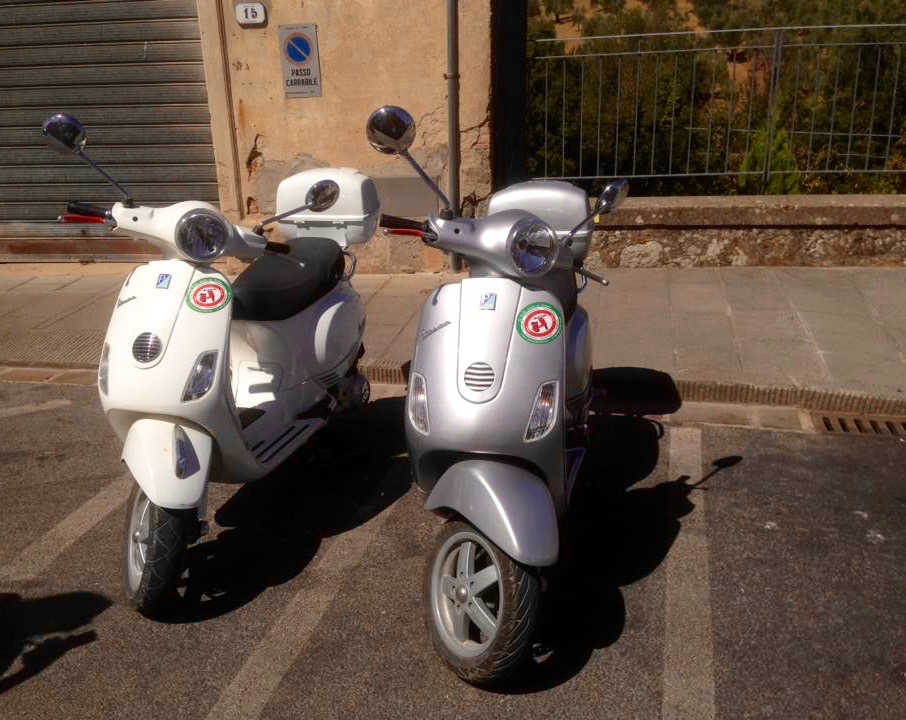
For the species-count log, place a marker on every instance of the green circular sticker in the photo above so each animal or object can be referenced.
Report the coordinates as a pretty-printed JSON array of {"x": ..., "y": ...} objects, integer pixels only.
[
  {"x": 209, "y": 295},
  {"x": 540, "y": 323}
]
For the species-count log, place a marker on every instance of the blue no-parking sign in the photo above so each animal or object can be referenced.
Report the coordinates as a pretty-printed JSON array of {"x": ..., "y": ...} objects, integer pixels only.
[{"x": 300, "y": 62}]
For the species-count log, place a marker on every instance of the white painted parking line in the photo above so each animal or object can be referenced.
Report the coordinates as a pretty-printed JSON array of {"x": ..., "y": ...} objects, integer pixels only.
[
  {"x": 39, "y": 556},
  {"x": 248, "y": 693},
  {"x": 7, "y": 412},
  {"x": 689, "y": 645}
]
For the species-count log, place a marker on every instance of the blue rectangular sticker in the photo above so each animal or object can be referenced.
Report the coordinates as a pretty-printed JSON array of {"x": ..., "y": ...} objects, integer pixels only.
[
  {"x": 163, "y": 281},
  {"x": 488, "y": 301}
]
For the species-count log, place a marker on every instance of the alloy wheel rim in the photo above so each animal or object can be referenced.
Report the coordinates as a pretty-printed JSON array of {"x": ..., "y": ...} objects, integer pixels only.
[
  {"x": 139, "y": 530},
  {"x": 466, "y": 594}
]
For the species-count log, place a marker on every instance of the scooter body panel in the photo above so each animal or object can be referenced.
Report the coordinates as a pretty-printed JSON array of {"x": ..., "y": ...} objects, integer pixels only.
[
  {"x": 149, "y": 452},
  {"x": 455, "y": 331},
  {"x": 509, "y": 504},
  {"x": 167, "y": 298},
  {"x": 578, "y": 356}
]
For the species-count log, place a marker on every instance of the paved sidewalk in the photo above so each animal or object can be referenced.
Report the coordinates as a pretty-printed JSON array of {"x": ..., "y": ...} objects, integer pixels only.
[{"x": 771, "y": 335}]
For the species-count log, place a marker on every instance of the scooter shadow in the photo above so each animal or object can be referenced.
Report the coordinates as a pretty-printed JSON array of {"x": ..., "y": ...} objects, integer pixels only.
[
  {"x": 270, "y": 530},
  {"x": 614, "y": 534}
]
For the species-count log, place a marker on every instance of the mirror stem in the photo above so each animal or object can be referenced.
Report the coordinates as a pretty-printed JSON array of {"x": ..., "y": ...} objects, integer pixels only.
[
  {"x": 259, "y": 228},
  {"x": 127, "y": 197},
  {"x": 424, "y": 176}
]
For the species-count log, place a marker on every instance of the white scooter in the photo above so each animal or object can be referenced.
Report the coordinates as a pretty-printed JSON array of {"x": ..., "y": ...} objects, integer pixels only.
[{"x": 204, "y": 380}]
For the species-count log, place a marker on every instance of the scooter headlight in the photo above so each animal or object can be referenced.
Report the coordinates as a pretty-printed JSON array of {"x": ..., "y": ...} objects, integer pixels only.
[
  {"x": 533, "y": 246},
  {"x": 417, "y": 403},
  {"x": 544, "y": 411},
  {"x": 202, "y": 376},
  {"x": 104, "y": 370},
  {"x": 202, "y": 235}
]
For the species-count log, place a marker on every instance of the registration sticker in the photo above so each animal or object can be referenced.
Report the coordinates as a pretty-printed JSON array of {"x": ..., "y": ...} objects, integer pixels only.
[
  {"x": 209, "y": 295},
  {"x": 488, "y": 301},
  {"x": 540, "y": 323}
]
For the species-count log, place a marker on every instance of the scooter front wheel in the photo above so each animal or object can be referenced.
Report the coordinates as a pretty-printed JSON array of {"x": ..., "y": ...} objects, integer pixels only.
[
  {"x": 482, "y": 607},
  {"x": 154, "y": 547}
]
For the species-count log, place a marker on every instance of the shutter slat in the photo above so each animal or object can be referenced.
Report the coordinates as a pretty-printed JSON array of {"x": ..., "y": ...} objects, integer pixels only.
[
  {"x": 103, "y": 193},
  {"x": 104, "y": 95},
  {"x": 139, "y": 73},
  {"x": 55, "y": 36},
  {"x": 33, "y": 13},
  {"x": 122, "y": 135},
  {"x": 107, "y": 53},
  {"x": 45, "y": 174},
  {"x": 112, "y": 154},
  {"x": 92, "y": 117}
]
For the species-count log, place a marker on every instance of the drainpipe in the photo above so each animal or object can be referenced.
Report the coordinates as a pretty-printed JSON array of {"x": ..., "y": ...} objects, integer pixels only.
[{"x": 452, "y": 77}]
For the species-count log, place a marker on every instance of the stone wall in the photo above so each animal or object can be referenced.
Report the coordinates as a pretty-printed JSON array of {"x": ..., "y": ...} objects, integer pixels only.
[{"x": 811, "y": 230}]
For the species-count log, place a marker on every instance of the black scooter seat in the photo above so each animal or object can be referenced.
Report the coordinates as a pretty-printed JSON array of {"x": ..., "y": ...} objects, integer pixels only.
[{"x": 276, "y": 287}]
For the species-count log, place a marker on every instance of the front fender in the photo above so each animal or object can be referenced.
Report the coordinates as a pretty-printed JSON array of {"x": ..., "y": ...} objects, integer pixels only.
[
  {"x": 510, "y": 505},
  {"x": 150, "y": 454}
]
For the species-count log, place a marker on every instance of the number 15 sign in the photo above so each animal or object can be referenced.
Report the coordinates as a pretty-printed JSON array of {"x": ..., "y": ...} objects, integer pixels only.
[{"x": 251, "y": 13}]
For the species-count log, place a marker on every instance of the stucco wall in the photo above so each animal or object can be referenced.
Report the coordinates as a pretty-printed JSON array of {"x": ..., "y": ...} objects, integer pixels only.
[{"x": 371, "y": 53}]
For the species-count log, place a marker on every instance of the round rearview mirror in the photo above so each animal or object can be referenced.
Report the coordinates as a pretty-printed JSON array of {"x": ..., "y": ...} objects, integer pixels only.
[
  {"x": 64, "y": 133},
  {"x": 322, "y": 195},
  {"x": 390, "y": 130},
  {"x": 614, "y": 194}
]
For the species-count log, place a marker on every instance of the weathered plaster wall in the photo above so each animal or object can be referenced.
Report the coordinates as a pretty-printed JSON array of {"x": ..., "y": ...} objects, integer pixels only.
[{"x": 372, "y": 53}]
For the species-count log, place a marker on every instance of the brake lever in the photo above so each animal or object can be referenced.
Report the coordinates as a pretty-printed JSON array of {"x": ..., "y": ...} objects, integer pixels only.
[{"x": 591, "y": 276}]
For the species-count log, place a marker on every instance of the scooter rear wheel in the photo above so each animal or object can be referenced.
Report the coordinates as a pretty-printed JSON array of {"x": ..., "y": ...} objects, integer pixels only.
[
  {"x": 154, "y": 547},
  {"x": 482, "y": 607}
]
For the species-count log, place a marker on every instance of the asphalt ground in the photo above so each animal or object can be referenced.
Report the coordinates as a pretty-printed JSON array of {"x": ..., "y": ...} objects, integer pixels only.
[{"x": 708, "y": 572}]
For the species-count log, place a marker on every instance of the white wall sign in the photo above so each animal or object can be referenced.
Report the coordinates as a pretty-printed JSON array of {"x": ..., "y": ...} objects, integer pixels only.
[
  {"x": 300, "y": 61},
  {"x": 251, "y": 13}
]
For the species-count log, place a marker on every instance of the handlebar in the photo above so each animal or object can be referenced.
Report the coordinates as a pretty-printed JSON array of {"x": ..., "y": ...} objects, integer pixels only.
[
  {"x": 393, "y": 222},
  {"x": 88, "y": 210}
]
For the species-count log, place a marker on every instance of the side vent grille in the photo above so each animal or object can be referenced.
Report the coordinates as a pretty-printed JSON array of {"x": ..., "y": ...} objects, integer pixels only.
[
  {"x": 147, "y": 347},
  {"x": 479, "y": 376}
]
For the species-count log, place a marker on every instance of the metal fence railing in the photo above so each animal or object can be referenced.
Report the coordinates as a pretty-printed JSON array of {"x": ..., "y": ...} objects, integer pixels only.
[{"x": 760, "y": 109}]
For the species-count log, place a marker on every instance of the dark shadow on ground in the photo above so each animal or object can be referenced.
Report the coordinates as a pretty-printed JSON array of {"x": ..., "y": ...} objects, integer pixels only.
[
  {"x": 614, "y": 534},
  {"x": 42, "y": 630},
  {"x": 271, "y": 529},
  {"x": 634, "y": 391}
]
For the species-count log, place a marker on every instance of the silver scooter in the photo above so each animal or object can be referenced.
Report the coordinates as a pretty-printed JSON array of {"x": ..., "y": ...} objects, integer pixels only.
[{"x": 498, "y": 399}]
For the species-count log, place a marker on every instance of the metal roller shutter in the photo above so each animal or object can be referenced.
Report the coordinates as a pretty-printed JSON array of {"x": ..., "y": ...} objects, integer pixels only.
[{"x": 132, "y": 72}]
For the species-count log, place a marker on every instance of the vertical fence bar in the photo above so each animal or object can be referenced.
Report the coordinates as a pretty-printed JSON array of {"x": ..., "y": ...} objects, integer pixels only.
[
  {"x": 852, "y": 111},
  {"x": 711, "y": 109},
  {"x": 893, "y": 104},
  {"x": 874, "y": 100},
  {"x": 730, "y": 115},
  {"x": 830, "y": 133},
  {"x": 751, "y": 106},
  {"x": 673, "y": 113},
  {"x": 795, "y": 103},
  {"x": 811, "y": 135},
  {"x": 638, "y": 80},
  {"x": 600, "y": 84},
  {"x": 616, "y": 129},
  {"x": 691, "y": 112},
  {"x": 563, "y": 123},
  {"x": 581, "y": 111},
  {"x": 657, "y": 72},
  {"x": 776, "y": 65}
]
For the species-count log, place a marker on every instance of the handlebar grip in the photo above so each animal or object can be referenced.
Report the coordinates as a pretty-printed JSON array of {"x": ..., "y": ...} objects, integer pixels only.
[
  {"x": 401, "y": 223},
  {"x": 80, "y": 208}
]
